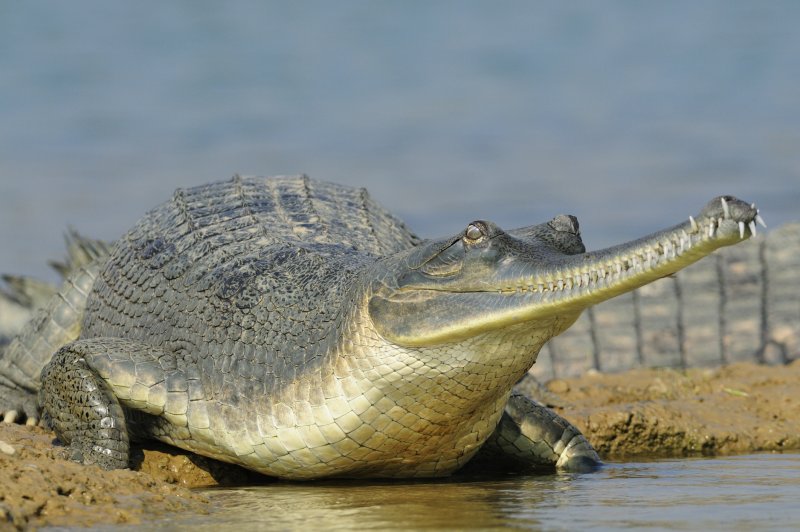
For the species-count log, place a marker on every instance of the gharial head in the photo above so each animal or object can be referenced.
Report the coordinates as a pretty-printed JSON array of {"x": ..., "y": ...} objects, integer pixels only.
[{"x": 485, "y": 278}]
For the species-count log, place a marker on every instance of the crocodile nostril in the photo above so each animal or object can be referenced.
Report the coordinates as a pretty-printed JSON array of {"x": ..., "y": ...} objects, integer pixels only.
[{"x": 566, "y": 223}]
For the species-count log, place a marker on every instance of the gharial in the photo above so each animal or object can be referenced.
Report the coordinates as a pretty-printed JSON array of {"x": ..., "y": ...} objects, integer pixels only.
[{"x": 298, "y": 329}]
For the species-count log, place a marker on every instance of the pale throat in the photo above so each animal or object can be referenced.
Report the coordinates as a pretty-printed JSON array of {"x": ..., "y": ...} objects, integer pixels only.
[{"x": 452, "y": 378}]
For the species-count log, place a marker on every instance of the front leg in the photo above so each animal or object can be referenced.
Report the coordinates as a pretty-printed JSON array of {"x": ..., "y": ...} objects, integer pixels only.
[
  {"x": 531, "y": 435},
  {"x": 86, "y": 385},
  {"x": 82, "y": 410}
]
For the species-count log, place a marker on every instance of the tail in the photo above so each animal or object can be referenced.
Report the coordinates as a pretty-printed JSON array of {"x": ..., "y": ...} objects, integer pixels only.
[
  {"x": 52, "y": 326},
  {"x": 22, "y": 296},
  {"x": 51, "y": 317},
  {"x": 26, "y": 292},
  {"x": 18, "y": 300},
  {"x": 81, "y": 251}
]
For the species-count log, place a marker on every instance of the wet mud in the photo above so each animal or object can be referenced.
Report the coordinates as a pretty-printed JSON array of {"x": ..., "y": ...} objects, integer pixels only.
[
  {"x": 741, "y": 408},
  {"x": 39, "y": 487}
]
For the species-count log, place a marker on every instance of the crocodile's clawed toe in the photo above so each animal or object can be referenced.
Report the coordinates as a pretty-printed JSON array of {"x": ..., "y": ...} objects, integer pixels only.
[
  {"x": 581, "y": 464},
  {"x": 19, "y": 416},
  {"x": 17, "y": 406},
  {"x": 10, "y": 416}
]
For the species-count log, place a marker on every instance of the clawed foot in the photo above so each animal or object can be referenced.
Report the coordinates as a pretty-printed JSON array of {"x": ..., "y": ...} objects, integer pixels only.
[
  {"x": 581, "y": 464},
  {"x": 18, "y": 406},
  {"x": 103, "y": 457},
  {"x": 579, "y": 457}
]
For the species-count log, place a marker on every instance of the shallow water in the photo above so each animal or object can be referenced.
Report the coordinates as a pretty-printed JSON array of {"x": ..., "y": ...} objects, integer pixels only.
[{"x": 753, "y": 492}]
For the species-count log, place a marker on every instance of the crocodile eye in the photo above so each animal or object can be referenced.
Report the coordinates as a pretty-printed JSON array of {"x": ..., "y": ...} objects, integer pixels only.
[{"x": 473, "y": 232}]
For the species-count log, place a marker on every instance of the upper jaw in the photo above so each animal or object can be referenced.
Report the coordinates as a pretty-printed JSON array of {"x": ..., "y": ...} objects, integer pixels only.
[
  {"x": 605, "y": 273},
  {"x": 432, "y": 311}
]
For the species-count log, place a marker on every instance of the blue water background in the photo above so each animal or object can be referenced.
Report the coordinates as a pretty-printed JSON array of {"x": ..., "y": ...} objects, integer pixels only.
[{"x": 629, "y": 114}]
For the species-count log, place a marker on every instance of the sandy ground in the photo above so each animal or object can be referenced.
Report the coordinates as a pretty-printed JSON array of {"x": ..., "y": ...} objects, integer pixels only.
[
  {"x": 38, "y": 487},
  {"x": 740, "y": 408},
  {"x": 737, "y": 409}
]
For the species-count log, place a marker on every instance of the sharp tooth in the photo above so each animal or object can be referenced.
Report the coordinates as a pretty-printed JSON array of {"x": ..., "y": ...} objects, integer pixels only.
[
  {"x": 725, "y": 208},
  {"x": 711, "y": 229},
  {"x": 586, "y": 279},
  {"x": 741, "y": 229},
  {"x": 752, "y": 226},
  {"x": 569, "y": 283},
  {"x": 540, "y": 287},
  {"x": 752, "y": 205},
  {"x": 619, "y": 268},
  {"x": 761, "y": 221},
  {"x": 550, "y": 285},
  {"x": 560, "y": 284},
  {"x": 694, "y": 225},
  {"x": 685, "y": 237}
]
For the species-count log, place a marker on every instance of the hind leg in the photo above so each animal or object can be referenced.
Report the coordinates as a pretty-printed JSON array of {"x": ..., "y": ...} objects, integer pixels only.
[{"x": 531, "y": 435}]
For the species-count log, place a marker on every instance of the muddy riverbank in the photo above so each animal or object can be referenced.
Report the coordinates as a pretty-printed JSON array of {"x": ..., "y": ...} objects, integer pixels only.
[
  {"x": 38, "y": 487},
  {"x": 738, "y": 409}
]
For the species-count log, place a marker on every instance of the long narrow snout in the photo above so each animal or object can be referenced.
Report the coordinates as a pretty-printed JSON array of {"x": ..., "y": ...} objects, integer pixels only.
[
  {"x": 529, "y": 286},
  {"x": 592, "y": 277}
]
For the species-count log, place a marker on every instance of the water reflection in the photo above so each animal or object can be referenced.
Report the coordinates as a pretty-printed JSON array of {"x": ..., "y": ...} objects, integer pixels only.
[
  {"x": 756, "y": 492},
  {"x": 403, "y": 505}
]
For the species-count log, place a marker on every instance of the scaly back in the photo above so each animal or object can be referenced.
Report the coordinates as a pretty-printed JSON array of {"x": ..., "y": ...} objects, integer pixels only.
[
  {"x": 251, "y": 271},
  {"x": 257, "y": 212}
]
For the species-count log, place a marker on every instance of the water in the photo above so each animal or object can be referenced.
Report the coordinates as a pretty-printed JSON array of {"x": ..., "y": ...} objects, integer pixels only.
[
  {"x": 755, "y": 492},
  {"x": 630, "y": 115}
]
